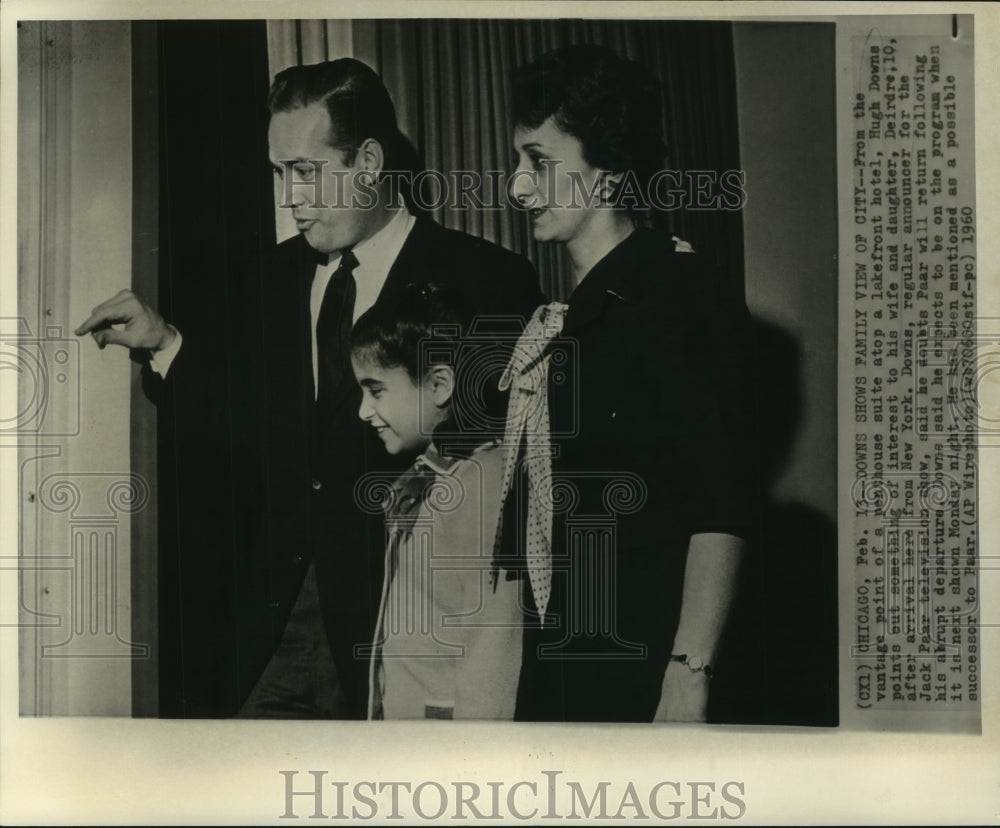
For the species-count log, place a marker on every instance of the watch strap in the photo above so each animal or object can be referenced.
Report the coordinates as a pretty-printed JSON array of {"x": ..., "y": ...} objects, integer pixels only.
[{"x": 693, "y": 663}]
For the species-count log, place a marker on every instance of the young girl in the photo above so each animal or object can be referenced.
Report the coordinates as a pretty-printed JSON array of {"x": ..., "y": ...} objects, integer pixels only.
[{"x": 448, "y": 640}]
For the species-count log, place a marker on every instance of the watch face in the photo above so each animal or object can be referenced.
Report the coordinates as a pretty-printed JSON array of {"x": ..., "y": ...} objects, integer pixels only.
[{"x": 696, "y": 663}]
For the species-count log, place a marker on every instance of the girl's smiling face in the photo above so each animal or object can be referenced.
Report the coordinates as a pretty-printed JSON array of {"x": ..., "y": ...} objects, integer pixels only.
[
  {"x": 554, "y": 183},
  {"x": 402, "y": 411}
]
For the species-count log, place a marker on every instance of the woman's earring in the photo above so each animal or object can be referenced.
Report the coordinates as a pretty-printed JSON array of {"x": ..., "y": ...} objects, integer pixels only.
[
  {"x": 606, "y": 191},
  {"x": 609, "y": 188}
]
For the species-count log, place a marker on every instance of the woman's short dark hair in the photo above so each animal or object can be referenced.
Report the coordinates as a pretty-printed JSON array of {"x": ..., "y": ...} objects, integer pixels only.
[
  {"x": 358, "y": 104},
  {"x": 612, "y": 105}
]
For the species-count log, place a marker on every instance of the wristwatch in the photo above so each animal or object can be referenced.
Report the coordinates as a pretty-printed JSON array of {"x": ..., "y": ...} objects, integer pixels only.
[{"x": 693, "y": 663}]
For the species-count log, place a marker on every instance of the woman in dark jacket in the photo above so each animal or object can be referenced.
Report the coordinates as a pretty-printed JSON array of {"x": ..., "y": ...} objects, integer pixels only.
[{"x": 630, "y": 498}]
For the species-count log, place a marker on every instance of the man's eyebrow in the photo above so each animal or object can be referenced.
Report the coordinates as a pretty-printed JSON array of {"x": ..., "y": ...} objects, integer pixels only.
[{"x": 368, "y": 382}]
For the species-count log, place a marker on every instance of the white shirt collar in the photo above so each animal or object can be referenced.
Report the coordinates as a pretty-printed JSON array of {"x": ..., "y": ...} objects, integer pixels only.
[
  {"x": 377, "y": 253},
  {"x": 376, "y": 257}
]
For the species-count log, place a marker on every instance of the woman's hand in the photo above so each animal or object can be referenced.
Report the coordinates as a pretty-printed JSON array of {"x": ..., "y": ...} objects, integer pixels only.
[
  {"x": 684, "y": 697},
  {"x": 709, "y": 583}
]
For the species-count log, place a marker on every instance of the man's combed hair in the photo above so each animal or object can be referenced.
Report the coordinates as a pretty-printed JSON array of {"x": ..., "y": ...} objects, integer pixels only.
[
  {"x": 358, "y": 104},
  {"x": 610, "y": 104}
]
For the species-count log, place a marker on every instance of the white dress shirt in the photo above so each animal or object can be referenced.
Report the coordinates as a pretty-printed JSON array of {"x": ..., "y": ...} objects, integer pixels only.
[{"x": 375, "y": 256}]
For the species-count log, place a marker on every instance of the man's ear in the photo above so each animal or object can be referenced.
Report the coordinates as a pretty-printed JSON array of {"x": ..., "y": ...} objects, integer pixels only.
[
  {"x": 440, "y": 383},
  {"x": 371, "y": 158}
]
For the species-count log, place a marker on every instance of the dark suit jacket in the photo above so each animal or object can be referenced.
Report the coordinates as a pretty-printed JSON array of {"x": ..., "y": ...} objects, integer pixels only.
[{"x": 286, "y": 494}]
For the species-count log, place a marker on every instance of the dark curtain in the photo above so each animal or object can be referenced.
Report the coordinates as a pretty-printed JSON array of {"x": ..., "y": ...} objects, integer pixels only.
[
  {"x": 216, "y": 231},
  {"x": 450, "y": 80}
]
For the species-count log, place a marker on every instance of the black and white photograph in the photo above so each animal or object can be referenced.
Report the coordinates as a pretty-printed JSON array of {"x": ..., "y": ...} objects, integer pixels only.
[{"x": 610, "y": 377}]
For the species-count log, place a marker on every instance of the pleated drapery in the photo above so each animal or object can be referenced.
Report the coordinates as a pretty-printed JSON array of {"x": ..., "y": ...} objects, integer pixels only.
[
  {"x": 293, "y": 42},
  {"x": 451, "y": 79}
]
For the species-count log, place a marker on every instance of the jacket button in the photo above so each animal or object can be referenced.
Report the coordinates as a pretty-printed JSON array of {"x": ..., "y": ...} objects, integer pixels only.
[
  {"x": 298, "y": 559},
  {"x": 317, "y": 484}
]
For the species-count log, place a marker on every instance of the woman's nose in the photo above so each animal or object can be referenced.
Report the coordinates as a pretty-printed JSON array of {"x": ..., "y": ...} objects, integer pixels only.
[{"x": 523, "y": 184}]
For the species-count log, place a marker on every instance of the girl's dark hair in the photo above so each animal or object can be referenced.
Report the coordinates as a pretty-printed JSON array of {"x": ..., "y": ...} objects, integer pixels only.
[
  {"x": 429, "y": 324},
  {"x": 419, "y": 326},
  {"x": 613, "y": 106}
]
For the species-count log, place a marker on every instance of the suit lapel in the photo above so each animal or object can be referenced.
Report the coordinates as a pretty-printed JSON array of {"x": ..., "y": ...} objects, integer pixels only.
[
  {"x": 418, "y": 260},
  {"x": 306, "y": 261}
]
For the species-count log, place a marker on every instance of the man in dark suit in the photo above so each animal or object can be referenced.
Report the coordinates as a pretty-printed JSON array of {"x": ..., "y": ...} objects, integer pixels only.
[{"x": 307, "y": 591}]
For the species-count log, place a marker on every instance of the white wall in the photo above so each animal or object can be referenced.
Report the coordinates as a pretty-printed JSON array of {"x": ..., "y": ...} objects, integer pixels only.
[
  {"x": 785, "y": 88},
  {"x": 75, "y": 487}
]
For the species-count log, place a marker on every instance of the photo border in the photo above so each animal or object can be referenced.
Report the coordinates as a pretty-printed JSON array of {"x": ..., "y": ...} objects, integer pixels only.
[{"x": 124, "y": 771}]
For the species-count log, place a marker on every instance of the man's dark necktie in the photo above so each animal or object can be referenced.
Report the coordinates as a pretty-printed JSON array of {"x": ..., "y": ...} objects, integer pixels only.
[{"x": 333, "y": 331}]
